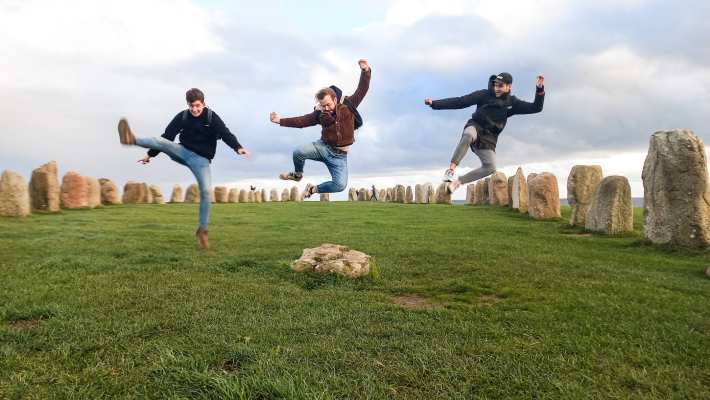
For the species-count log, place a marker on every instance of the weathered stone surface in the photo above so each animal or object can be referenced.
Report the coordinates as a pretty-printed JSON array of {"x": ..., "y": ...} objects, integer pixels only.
[
  {"x": 44, "y": 188},
  {"x": 286, "y": 195},
  {"x": 400, "y": 194},
  {"x": 264, "y": 196},
  {"x": 296, "y": 195},
  {"x": 332, "y": 258},
  {"x": 543, "y": 196},
  {"x": 274, "y": 195},
  {"x": 74, "y": 192},
  {"x": 93, "y": 194},
  {"x": 519, "y": 192},
  {"x": 409, "y": 195},
  {"x": 611, "y": 211},
  {"x": 481, "y": 192},
  {"x": 442, "y": 195},
  {"x": 582, "y": 183},
  {"x": 510, "y": 191},
  {"x": 430, "y": 193},
  {"x": 176, "y": 194},
  {"x": 418, "y": 194},
  {"x": 109, "y": 192},
  {"x": 362, "y": 195},
  {"x": 352, "y": 194},
  {"x": 156, "y": 194},
  {"x": 250, "y": 197},
  {"x": 243, "y": 196},
  {"x": 470, "y": 193},
  {"x": 192, "y": 194},
  {"x": 389, "y": 195},
  {"x": 676, "y": 192},
  {"x": 233, "y": 196},
  {"x": 324, "y": 197},
  {"x": 221, "y": 194},
  {"x": 498, "y": 189},
  {"x": 258, "y": 196},
  {"x": 382, "y": 196},
  {"x": 14, "y": 195},
  {"x": 148, "y": 199}
]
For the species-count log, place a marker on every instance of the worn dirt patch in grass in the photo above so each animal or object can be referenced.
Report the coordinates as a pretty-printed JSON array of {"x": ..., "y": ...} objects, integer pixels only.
[
  {"x": 21, "y": 324},
  {"x": 414, "y": 302}
]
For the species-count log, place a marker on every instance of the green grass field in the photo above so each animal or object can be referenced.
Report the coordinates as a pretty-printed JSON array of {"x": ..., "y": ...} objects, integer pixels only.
[{"x": 469, "y": 302}]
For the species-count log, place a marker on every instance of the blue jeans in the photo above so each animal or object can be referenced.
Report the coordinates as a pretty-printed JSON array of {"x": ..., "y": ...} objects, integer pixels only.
[
  {"x": 337, "y": 164},
  {"x": 200, "y": 167}
]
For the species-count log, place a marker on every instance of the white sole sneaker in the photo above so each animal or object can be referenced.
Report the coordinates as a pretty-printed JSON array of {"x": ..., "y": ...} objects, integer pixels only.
[{"x": 448, "y": 177}]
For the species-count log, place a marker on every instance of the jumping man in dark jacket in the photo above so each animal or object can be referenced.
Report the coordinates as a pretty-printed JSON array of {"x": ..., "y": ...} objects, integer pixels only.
[
  {"x": 336, "y": 115},
  {"x": 199, "y": 129},
  {"x": 493, "y": 107}
]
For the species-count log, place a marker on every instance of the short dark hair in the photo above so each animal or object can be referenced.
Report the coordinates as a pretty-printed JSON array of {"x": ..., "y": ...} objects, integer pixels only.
[
  {"x": 194, "y": 94},
  {"x": 326, "y": 92}
]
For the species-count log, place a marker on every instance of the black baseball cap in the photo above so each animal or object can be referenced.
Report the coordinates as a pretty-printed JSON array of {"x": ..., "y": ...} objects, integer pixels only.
[{"x": 504, "y": 77}]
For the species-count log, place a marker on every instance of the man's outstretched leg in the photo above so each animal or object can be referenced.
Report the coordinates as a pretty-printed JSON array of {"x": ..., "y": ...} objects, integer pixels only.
[
  {"x": 337, "y": 164},
  {"x": 300, "y": 155},
  {"x": 488, "y": 166},
  {"x": 468, "y": 137}
]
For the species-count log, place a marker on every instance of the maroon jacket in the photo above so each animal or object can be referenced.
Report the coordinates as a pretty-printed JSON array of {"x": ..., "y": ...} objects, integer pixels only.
[{"x": 338, "y": 131}]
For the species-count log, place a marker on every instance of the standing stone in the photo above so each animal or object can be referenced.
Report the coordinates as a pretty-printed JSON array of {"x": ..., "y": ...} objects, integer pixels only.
[
  {"x": 233, "y": 196},
  {"x": 14, "y": 195},
  {"x": 470, "y": 193},
  {"x": 543, "y": 196},
  {"x": 430, "y": 194},
  {"x": 221, "y": 194},
  {"x": 176, "y": 195},
  {"x": 389, "y": 196},
  {"x": 610, "y": 211},
  {"x": 352, "y": 194},
  {"x": 362, "y": 195},
  {"x": 243, "y": 196},
  {"x": 382, "y": 195},
  {"x": 400, "y": 194},
  {"x": 676, "y": 193},
  {"x": 213, "y": 196},
  {"x": 156, "y": 194},
  {"x": 442, "y": 195},
  {"x": 109, "y": 192},
  {"x": 285, "y": 195},
  {"x": 74, "y": 192},
  {"x": 258, "y": 198},
  {"x": 510, "y": 191},
  {"x": 148, "y": 199},
  {"x": 44, "y": 188},
  {"x": 519, "y": 191},
  {"x": 93, "y": 194},
  {"x": 274, "y": 195},
  {"x": 324, "y": 197},
  {"x": 192, "y": 194},
  {"x": 409, "y": 196},
  {"x": 419, "y": 194},
  {"x": 581, "y": 185},
  {"x": 264, "y": 197},
  {"x": 482, "y": 194},
  {"x": 296, "y": 195},
  {"x": 498, "y": 189}
]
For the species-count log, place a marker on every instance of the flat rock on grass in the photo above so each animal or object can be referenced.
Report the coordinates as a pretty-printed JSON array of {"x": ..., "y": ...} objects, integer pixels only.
[{"x": 332, "y": 258}]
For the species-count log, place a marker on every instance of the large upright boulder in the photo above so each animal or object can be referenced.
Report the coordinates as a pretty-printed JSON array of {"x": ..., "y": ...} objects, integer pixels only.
[
  {"x": 676, "y": 193},
  {"x": 296, "y": 195},
  {"x": 543, "y": 196},
  {"x": 400, "y": 194},
  {"x": 611, "y": 211},
  {"x": 192, "y": 194},
  {"x": 264, "y": 196},
  {"x": 176, "y": 194},
  {"x": 274, "y": 195},
  {"x": 156, "y": 194},
  {"x": 93, "y": 194},
  {"x": 148, "y": 199},
  {"x": 409, "y": 195},
  {"x": 221, "y": 194},
  {"x": 109, "y": 192},
  {"x": 498, "y": 189},
  {"x": 243, "y": 196},
  {"x": 442, "y": 195},
  {"x": 363, "y": 195},
  {"x": 258, "y": 198},
  {"x": 430, "y": 193},
  {"x": 470, "y": 193},
  {"x": 382, "y": 195},
  {"x": 418, "y": 194},
  {"x": 14, "y": 195},
  {"x": 582, "y": 183},
  {"x": 324, "y": 197},
  {"x": 482, "y": 194},
  {"x": 44, "y": 188},
  {"x": 352, "y": 194},
  {"x": 133, "y": 193},
  {"x": 510, "y": 191},
  {"x": 519, "y": 191},
  {"x": 74, "y": 192},
  {"x": 233, "y": 195},
  {"x": 286, "y": 195}
]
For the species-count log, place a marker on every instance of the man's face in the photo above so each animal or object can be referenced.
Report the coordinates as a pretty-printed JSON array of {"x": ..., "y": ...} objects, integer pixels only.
[
  {"x": 500, "y": 88},
  {"x": 196, "y": 108},
  {"x": 327, "y": 103}
]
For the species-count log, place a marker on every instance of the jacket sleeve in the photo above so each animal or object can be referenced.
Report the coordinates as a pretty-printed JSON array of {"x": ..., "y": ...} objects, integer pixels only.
[
  {"x": 362, "y": 87},
  {"x": 224, "y": 133},
  {"x": 171, "y": 131},
  {"x": 455, "y": 103},
  {"x": 524, "y": 107},
  {"x": 300, "y": 122}
]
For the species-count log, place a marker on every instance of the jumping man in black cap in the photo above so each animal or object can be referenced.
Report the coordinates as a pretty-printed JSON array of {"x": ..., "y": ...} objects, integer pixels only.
[{"x": 494, "y": 106}]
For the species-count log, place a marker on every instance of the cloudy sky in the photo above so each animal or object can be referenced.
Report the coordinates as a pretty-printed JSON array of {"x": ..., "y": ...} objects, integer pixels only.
[{"x": 616, "y": 71}]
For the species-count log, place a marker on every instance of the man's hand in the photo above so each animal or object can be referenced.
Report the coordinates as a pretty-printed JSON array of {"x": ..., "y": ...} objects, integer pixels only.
[
  {"x": 540, "y": 81},
  {"x": 428, "y": 101},
  {"x": 275, "y": 118},
  {"x": 364, "y": 65},
  {"x": 144, "y": 160},
  {"x": 244, "y": 152}
]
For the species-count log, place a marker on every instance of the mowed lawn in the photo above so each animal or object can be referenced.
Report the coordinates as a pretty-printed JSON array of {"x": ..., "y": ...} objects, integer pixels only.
[{"x": 468, "y": 302}]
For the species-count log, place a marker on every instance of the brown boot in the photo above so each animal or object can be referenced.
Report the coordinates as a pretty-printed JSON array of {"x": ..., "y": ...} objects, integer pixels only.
[
  {"x": 202, "y": 240},
  {"x": 125, "y": 134}
]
